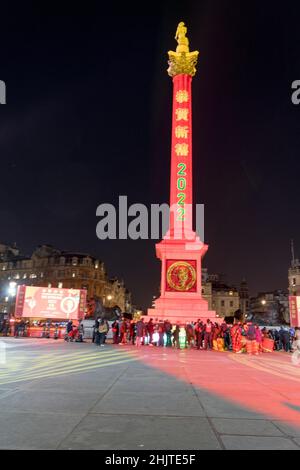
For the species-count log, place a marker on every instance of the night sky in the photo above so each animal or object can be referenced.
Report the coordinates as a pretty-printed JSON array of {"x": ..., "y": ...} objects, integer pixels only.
[{"x": 88, "y": 118}]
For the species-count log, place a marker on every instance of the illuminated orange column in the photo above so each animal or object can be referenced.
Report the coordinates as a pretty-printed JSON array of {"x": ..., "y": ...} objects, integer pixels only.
[
  {"x": 181, "y": 250},
  {"x": 181, "y": 188}
]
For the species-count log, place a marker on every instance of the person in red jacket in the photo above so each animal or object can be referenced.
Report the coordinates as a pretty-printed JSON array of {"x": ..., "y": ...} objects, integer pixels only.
[
  {"x": 236, "y": 338},
  {"x": 208, "y": 335},
  {"x": 150, "y": 331},
  {"x": 123, "y": 332},
  {"x": 115, "y": 330},
  {"x": 199, "y": 334}
]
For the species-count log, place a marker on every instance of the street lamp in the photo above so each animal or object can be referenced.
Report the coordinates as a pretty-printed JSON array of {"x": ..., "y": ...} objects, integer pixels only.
[{"x": 12, "y": 289}]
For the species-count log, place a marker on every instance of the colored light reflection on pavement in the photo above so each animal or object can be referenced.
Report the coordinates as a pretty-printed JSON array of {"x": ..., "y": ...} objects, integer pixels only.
[
  {"x": 232, "y": 386},
  {"x": 268, "y": 384},
  {"x": 53, "y": 364}
]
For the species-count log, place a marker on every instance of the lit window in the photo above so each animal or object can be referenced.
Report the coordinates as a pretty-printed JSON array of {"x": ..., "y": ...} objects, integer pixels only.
[
  {"x": 60, "y": 284},
  {"x": 73, "y": 274},
  {"x": 49, "y": 285}
]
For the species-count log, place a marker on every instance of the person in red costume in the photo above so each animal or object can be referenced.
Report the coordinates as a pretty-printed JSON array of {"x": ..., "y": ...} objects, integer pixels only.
[
  {"x": 123, "y": 332},
  {"x": 236, "y": 338}
]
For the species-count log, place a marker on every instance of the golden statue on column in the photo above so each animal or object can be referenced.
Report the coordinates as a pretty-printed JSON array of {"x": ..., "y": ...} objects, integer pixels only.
[
  {"x": 183, "y": 42},
  {"x": 182, "y": 61}
]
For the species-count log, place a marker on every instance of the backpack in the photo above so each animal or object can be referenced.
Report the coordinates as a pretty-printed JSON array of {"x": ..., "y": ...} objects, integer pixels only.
[
  {"x": 251, "y": 333},
  {"x": 103, "y": 328}
]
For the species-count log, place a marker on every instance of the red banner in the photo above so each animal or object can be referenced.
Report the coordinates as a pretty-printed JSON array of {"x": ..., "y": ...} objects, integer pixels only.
[
  {"x": 294, "y": 311},
  {"x": 44, "y": 302},
  {"x": 20, "y": 298}
]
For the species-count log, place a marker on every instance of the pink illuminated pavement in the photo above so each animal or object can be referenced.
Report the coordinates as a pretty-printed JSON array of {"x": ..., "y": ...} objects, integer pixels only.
[
  {"x": 124, "y": 398},
  {"x": 268, "y": 384}
]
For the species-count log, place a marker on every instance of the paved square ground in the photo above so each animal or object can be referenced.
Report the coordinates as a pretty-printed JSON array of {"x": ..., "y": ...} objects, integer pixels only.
[{"x": 55, "y": 395}]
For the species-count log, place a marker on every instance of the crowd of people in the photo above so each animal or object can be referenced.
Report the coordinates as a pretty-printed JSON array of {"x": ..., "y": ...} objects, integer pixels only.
[{"x": 202, "y": 335}]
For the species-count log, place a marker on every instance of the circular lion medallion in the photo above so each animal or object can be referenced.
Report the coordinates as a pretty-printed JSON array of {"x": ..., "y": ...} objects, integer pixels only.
[{"x": 181, "y": 276}]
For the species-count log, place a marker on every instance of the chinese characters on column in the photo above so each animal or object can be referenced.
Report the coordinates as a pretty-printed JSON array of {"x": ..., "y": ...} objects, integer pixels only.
[{"x": 181, "y": 149}]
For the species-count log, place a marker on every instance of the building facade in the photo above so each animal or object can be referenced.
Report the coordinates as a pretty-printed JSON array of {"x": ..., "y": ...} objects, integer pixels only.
[
  {"x": 49, "y": 267},
  {"x": 222, "y": 298},
  {"x": 270, "y": 308},
  {"x": 294, "y": 277},
  {"x": 244, "y": 298}
]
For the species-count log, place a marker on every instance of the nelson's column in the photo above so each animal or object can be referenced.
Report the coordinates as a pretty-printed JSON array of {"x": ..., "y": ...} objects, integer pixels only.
[{"x": 181, "y": 250}]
